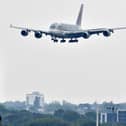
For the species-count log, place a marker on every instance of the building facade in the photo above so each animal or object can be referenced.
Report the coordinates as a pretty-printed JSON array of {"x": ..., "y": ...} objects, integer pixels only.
[
  {"x": 35, "y": 100},
  {"x": 103, "y": 118},
  {"x": 113, "y": 117},
  {"x": 121, "y": 116}
]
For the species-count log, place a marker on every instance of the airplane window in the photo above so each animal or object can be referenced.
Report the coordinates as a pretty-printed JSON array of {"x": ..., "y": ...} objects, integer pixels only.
[{"x": 59, "y": 27}]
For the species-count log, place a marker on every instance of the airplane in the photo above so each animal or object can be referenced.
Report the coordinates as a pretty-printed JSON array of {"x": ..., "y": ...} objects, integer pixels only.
[{"x": 68, "y": 31}]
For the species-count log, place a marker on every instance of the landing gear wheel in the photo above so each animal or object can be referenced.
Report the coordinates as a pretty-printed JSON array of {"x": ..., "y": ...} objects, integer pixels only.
[
  {"x": 55, "y": 40},
  {"x": 63, "y": 40},
  {"x": 71, "y": 41}
]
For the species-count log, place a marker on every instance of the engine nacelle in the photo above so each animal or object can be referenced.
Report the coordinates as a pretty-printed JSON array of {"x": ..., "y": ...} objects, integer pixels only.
[
  {"x": 86, "y": 35},
  {"x": 107, "y": 33},
  {"x": 24, "y": 32},
  {"x": 38, "y": 34}
]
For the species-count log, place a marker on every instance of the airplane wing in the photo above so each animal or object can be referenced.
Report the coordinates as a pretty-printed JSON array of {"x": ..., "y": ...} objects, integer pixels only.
[
  {"x": 38, "y": 33},
  {"x": 102, "y": 30},
  {"x": 87, "y": 33},
  {"x": 69, "y": 34},
  {"x": 25, "y": 31}
]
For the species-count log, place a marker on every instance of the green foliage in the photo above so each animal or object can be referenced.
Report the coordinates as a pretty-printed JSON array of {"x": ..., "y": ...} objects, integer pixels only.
[
  {"x": 2, "y": 108},
  {"x": 67, "y": 115},
  {"x": 49, "y": 122},
  {"x": 85, "y": 122},
  {"x": 60, "y": 118},
  {"x": 52, "y": 106},
  {"x": 91, "y": 116}
]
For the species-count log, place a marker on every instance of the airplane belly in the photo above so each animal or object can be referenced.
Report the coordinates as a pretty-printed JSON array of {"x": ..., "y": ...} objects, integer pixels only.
[
  {"x": 73, "y": 35},
  {"x": 59, "y": 34},
  {"x": 70, "y": 35}
]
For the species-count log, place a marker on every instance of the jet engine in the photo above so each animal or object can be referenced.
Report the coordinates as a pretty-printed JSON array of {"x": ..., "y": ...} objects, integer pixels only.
[
  {"x": 107, "y": 33},
  {"x": 86, "y": 35},
  {"x": 38, "y": 34},
  {"x": 24, "y": 32}
]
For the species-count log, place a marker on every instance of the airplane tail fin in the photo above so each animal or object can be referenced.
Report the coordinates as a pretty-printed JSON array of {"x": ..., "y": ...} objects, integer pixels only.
[{"x": 79, "y": 18}]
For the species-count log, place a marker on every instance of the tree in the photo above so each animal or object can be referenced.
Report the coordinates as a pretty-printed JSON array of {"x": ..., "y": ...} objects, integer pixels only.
[
  {"x": 49, "y": 122},
  {"x": 59, "y": 113}
]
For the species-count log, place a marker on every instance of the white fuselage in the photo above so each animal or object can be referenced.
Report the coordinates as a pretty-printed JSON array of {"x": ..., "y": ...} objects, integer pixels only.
[
  {"x": 64, "y": 27},
  {"x": 60, "y": 30}
]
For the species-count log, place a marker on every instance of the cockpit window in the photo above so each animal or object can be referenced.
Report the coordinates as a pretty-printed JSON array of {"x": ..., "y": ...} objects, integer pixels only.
[{"x": 52, "y": 26}]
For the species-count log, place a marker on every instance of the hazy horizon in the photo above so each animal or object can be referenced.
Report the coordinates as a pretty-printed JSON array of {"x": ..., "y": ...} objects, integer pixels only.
[
  {"x": 48, "y": 100},
  {"x": 88, "y": 71}
]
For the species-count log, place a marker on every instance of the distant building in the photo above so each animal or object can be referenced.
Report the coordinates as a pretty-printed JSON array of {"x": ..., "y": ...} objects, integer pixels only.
[
  {"x": 121, "y": 116},
  {"x": 118, "y": 116},
  {"x": 111, "y": 117},
  {"x": 103, "y": 118},
  {"x": 35, "y": 100},
  {"x": 83, "y": 108},
  {"x": 108, "y": 117}
]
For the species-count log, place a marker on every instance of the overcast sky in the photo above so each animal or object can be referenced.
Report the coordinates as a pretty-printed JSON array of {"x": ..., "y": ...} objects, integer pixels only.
[{"x": 91, "y": 70}]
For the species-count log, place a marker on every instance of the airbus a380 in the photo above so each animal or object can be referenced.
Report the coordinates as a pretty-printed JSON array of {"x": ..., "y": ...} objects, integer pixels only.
[{"x": 68, "y": 31}]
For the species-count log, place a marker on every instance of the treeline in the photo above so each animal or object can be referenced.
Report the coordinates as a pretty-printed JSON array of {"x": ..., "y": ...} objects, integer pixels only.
[{"x": 59, "y": 118}]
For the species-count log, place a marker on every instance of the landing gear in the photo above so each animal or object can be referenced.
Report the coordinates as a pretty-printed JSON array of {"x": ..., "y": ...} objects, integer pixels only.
[
  {"x": 63, "y": 40},
  {"x": 54, "y": 39},
  {"x": 72, "y": 41}
]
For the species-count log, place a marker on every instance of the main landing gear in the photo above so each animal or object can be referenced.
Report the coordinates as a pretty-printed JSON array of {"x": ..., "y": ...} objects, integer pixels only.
[
  {"x": 54, "y": 40},
  {"x": 73, "y": 40},
  {"x": 63, "y": 40}
]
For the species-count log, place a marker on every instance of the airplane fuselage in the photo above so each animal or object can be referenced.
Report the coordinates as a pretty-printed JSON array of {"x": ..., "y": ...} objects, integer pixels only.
[
  {"x": 64, "y": 27},
  {"x": 60, "y": 30}
]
